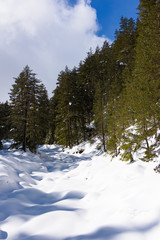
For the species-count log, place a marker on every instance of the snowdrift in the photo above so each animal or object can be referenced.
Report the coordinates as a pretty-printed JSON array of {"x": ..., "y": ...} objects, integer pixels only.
[{"x": 77, "y": 194}]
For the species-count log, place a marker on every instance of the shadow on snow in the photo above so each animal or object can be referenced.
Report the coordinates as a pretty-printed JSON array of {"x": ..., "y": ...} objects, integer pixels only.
[
  {"x": 55, "y": 159},
  {"x": 33, "y": 202},
  {"x": 104, "y": 233}
]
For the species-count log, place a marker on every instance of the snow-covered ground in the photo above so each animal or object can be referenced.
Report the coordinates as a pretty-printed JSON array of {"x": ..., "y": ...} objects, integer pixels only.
[{"x": 68, "y": 195}]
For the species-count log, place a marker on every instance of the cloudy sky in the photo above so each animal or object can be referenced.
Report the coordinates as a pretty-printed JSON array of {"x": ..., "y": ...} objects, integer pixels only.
[{"x": 50, "y": 34}]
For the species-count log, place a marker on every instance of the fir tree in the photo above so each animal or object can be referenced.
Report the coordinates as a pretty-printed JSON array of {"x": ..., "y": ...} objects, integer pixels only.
[
  {"x": 122, "y": 66},
  {"x": 63, "y": 132},
  {"x": 102, "y": 90},
  {"x": 25, "y": 96},
  {"x": 144, "y": 89},
  {"x": 5, "y": 124},
  {"x": 42, "y": 114}
]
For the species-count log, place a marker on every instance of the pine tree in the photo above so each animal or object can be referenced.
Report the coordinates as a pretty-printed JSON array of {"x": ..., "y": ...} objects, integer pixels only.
[
  {"x": 144, "y": 89},
  {"x": 99, "y": 115},
  {"x": 124, "y": 44},
  {"x": 5, "y": 124},
  {"x": 42, "y": 121},
  {"x": 24, "y": 96},
  {"x": 122, "y": 66},
  {"x": 63, "y": 131},
  {"x": 102, "y": 90},
  {"x": 5, "y": 112},
  {"x": 53, "y": 112},
  {"x": 88, "y": 78}
]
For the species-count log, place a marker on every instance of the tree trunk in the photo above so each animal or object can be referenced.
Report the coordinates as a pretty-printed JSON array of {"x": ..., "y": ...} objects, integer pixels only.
[
  {"x": 103, "y": 134},
  {"x": 25, "y": 130},
  {"x": 24, "y": 136}
]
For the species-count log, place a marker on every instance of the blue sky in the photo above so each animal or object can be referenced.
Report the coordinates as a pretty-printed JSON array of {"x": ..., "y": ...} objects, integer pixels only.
[{"x": 109, "y": 13}]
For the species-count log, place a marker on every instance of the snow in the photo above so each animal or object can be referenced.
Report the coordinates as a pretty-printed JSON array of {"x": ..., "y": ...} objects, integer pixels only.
[{"x": 77, "y": 194}]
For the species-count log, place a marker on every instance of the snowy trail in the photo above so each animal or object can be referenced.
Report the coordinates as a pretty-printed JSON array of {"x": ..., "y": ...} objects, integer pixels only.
[{"x": 64, "y": 195}]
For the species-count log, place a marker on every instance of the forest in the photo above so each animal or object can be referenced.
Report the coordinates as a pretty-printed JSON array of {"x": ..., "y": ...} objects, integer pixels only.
[{"x": 114, "y": 94}]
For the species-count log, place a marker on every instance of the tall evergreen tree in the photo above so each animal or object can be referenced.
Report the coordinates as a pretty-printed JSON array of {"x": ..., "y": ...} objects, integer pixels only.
[
  {"x": 99, "y": 115},
  {"x": 63, "y": 132},
  {"x": 42, "y": 121},
  {"x": 5, "y": 124},
  {"x": 25, "y": 102},
  {"x": 123, "y": 53},
  {"x": 102, "y": 90},
  {"x": 144, "y": 89}
]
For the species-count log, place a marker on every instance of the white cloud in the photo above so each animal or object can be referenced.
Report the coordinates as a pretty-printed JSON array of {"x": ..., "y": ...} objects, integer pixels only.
[{"x": 45, "y": 34}]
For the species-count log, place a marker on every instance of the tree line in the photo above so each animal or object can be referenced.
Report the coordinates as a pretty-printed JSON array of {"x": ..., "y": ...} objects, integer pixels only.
[{"x": 113, "y": 94}]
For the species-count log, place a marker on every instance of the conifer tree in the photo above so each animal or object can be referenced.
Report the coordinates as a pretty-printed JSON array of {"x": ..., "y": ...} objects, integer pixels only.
[
  {"x": 25, "y": 95},
  {"x": 5, "y": 123},
  {"x": 53, "y": 112},
  {"x": 42, "y": 114},
  {"x": 63, "y": 131},
  {"x": 144, "y": 89},
  {"x": 99, "y": 115},
  {"x": 88, "y": 78},
  {"x": 102, "y": 90},
  {"x": 123, "y": 50}
]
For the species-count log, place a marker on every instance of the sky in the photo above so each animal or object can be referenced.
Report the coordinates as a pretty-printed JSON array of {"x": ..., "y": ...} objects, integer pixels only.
[{"x": 47, "y": 35}]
